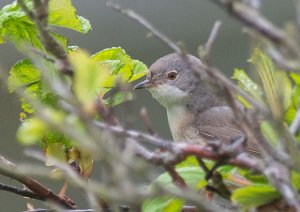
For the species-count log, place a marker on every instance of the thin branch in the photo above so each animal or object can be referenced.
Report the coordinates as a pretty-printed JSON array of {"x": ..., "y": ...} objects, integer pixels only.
[
  {"x": 40, "y": 17},
  {"x": 21, "y": 192},
  {"x": 294, "y": 127},
  {"x": 206, "y": 51},
  {"x": 181, "y": 149},
  {"x": 253, "y": 19},
  {"x": 297, "y": 13},
  {"x": 8, "y": 169},
  {"x": 176, "y": 178},
  {"x": 51, "y": 210},
  {"x": 146, "y": 121},
  {"x": 144, "y": 23}
]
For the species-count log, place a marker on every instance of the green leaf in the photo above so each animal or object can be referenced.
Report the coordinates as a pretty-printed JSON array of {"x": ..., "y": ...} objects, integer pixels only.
[
  {"x": 296, "y": 180},
  {"x": 89, "y": 76},
  {"x": 191, "y": 175},
  {"x": 269, "y": 132},
  {"x": 292, "y": 110},
  {"x": 188, "y": 162},
  {"x": 139, "y": 70},
  {"x": 121, "y": 64},
  {"x": 98, "y": 74},
  {"x": 85, "y": 164},
  {"x": 296, "y": 78},
  {"x": 247, "y": 84},
  {"x": 55, "y": 150},
  {"x": 118, "y": 98},
  {"x": 254, "y": 196},
  {"x": 276, "y": 84},
  {"x": 254, "y": 177},
  {"x": 62, "y": 13},
  {"x": 162, "y": 204},
  {"x": 31, "y": 131},
  {"x": 19, "y": 29},
  {"x": 24, "y": 75}
]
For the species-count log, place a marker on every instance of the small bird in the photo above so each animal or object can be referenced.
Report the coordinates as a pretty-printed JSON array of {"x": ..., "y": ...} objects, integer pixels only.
[{"x": 195, "y": 113}]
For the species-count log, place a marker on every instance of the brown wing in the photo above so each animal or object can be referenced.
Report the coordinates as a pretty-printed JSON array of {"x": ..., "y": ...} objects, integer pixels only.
[{"x": 217, "y": 123}]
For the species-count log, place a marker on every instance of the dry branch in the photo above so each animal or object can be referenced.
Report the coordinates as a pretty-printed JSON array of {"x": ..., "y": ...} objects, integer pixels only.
[{"x": 9, "y": 169}]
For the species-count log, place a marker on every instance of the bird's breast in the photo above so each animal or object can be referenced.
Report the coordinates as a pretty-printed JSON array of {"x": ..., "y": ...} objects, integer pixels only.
[{"x": 180, "y": 121}]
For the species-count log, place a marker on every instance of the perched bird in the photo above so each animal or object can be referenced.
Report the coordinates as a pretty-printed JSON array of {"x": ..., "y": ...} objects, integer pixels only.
[{"x": 195, "y": 114}]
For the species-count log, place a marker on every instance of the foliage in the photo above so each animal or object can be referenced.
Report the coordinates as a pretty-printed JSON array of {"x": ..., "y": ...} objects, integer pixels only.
[
  {"x": 103, "y": 78},
  {"x": 94, "y": 77}
]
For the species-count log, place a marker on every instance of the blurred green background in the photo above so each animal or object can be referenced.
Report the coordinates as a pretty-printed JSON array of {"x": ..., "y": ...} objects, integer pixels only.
[{"x": 189, "y": 21}]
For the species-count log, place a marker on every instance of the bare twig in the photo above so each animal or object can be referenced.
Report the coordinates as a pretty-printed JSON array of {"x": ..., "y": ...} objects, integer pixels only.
[
  {"x": 253, "y": 19},
  {"x": 146, "y": 121},
  {"x": 21, "y": 192},
  {"x": 297, "y": 13},
  {"x": 294, "y": 127},
  {"x": 206, "y": 51},
  {"x": 40, "y": 17},
  {"x": 176, "y": 178},
  {"x": 144, "y": 23},
  {"x": 181, "y": 150},
  {"x": 8, "y": 169}
]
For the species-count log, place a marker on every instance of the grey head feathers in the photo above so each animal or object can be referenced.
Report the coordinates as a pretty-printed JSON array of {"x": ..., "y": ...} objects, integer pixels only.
[{"x": 187, "y": 88}]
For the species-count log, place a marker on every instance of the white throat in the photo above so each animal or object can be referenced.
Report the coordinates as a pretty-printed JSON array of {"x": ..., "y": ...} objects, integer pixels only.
[
  {"x": 174, "y": 100},
  {"x": 168, "y": 95}
]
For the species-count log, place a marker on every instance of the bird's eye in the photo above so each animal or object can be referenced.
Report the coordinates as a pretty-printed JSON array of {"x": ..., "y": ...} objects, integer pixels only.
[{"x": 172, "y": 75}]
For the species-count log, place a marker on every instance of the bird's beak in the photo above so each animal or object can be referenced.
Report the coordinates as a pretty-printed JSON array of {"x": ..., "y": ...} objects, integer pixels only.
[{"x": 145, "y": 84}]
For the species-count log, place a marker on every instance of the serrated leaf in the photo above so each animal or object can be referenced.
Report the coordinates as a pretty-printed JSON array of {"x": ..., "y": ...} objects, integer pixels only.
[
  {"x": 62, "y": 13},
  {"x": 121, "y": 64},
  {"x": 113, "y": 55},
  {"x": 98, "y": 74},
  {"x": 118, "y": 98},
  {"x": 139, "y": 70},
  {"x": 18, "y": 28},
  {"x": 34, "y": 130},
  {"x": 254, "y": 196},
  {"x": 89, "y": 76},
  {"x": 22, "y": 74}
]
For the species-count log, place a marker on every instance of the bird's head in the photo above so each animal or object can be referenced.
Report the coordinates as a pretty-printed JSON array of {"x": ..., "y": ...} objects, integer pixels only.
[{"x": 171, "y": 79}]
